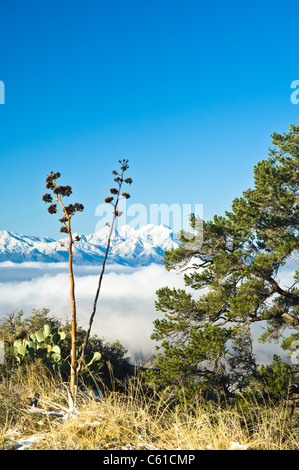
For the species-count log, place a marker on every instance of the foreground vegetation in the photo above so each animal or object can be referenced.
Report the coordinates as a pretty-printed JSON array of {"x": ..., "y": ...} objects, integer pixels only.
[
  {"x": 120, "y": 407},
  {"x": 133, "y": 420}
]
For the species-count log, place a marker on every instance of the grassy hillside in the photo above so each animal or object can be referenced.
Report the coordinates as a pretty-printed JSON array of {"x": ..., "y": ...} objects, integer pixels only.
[{"x": 133, "y": 421}]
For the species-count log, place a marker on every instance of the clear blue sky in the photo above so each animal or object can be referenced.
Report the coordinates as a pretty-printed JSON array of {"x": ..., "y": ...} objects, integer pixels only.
[{"x": 189, "y": 91}]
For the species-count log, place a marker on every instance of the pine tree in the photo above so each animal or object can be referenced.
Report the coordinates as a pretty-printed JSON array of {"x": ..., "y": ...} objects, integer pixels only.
[{"x": 235, "y": 273}]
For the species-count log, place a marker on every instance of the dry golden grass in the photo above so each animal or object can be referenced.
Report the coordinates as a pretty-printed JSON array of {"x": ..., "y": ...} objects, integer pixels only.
[{"x": 131, "y": 420}]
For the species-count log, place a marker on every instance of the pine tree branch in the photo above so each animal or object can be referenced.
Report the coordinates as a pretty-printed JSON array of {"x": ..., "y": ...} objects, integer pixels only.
[
  {"x": 291, "y": 318},
  {"x": 277, "y": 289}
]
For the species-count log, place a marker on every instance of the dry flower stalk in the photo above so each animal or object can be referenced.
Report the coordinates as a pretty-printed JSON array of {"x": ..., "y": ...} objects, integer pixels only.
[
  {"x": 119, "y": 179},
  {"x": 68, "y": 211}
]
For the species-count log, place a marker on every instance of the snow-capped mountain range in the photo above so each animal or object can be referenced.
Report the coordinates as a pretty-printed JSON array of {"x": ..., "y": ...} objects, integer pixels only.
[{"x": 129, "y": 246}]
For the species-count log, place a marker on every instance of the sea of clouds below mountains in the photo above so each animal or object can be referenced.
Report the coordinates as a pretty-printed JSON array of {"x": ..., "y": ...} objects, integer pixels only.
[{"x": 126, "y": 307}]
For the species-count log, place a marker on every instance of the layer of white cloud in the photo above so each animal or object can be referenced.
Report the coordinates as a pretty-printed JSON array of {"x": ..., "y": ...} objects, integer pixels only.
[{"x": 126, "y": 307}]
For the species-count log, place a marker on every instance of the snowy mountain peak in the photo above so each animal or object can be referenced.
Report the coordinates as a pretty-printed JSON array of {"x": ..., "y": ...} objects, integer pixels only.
[{"x": 129, "y": 246}]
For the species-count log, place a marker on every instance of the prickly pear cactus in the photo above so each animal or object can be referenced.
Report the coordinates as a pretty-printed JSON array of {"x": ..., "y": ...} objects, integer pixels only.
[{"x": 41, "y": 344}]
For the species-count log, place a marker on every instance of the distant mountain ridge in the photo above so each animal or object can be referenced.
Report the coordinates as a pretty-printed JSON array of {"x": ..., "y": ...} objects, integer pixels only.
[{"x": 129, "y": 246}]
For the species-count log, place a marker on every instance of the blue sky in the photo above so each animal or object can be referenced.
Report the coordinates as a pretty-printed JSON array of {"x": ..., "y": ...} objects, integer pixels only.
[{"x": 188, "y": 91}]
